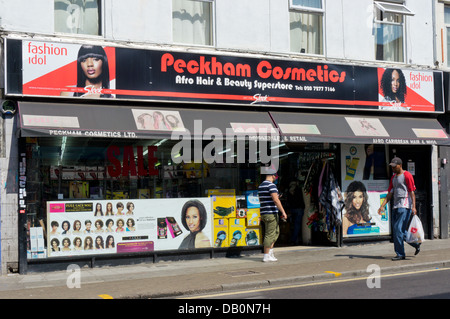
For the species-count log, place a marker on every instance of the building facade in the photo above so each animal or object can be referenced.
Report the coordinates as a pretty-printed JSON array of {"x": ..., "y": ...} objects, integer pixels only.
[
  {"x": 146, "y": 108},
  {"x": 442, "y": 36}
]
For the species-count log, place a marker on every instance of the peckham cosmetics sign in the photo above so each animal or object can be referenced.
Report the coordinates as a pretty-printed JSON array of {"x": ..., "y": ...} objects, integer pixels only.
[{"x": 90, "y": 71}]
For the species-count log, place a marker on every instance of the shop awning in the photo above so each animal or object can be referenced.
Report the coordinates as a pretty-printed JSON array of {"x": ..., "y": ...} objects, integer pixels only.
[
  {"x": 86, "y": 120},
  {"x": 339, "y": 128}
]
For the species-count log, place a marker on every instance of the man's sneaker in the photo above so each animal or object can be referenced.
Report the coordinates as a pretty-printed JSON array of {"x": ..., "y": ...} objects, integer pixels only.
[
  {"x": 268, "y": 258},
  {"x": 272, "y": 255}
]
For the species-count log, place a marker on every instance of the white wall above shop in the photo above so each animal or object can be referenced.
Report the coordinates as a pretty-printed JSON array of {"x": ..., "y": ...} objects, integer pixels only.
[{"x": 244, "y": 25}]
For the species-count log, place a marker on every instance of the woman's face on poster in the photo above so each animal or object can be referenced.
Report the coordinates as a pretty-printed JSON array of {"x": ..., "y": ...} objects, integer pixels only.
[
  {"x": 358, "y": 200},
  {"x": 92, "y": 67},
  {"x": 395, "y": 81},
  {"x": 193, "y": 219}
]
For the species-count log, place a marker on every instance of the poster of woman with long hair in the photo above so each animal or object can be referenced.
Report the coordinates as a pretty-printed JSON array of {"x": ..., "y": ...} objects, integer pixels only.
[{"x": 68, "y": 70}]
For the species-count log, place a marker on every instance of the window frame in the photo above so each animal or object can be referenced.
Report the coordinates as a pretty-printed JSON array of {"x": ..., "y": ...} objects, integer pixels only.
[
  {"x": 213, "y": 26},
  {"x": 295, "y": 7},
  {"x": 101, "y": 24},
  {"x": 310, "y": 10},
  {"x": 378, "y": 6}
]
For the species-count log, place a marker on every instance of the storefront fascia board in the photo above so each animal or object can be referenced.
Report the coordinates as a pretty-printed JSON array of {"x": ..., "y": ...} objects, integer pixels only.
[
  {"x": 333, "y": 128},
  {"x": 81, "y": 120},
  {"x": 42, "y": 68}
]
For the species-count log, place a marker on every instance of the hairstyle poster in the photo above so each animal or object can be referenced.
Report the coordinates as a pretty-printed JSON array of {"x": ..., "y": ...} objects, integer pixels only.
[
  {"x": 365, "y": 180},
  {"x": 128, "y": 225},
  {"x": 158, "y": 120},
  {"x": 68, "y": 70},
  {"x": 406, "y": 90}
]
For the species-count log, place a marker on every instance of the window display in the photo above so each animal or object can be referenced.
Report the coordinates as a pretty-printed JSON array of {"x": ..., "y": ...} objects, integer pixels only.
[{"x": 104, "y": 196}]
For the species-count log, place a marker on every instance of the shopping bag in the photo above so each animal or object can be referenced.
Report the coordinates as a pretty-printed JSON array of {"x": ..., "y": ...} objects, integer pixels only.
[{"x": 415, "y": 233}]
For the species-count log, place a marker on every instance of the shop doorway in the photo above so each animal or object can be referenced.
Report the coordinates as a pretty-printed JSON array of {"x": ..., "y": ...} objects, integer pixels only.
[
  {"x": 417, "y": 161},
  {"x": 302, "y": 167}
]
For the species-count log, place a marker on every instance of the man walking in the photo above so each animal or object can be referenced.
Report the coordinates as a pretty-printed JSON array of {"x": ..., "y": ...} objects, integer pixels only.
[
  {"x": 401, "y": 188},
  {"x": 270, "y": 205}
]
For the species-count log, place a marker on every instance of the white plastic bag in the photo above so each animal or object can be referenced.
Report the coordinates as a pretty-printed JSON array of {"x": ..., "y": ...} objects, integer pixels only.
[{"x": 415, "y": 232}]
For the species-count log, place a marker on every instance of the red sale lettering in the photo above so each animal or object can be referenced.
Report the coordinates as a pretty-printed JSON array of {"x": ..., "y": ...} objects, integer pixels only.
[
  {"x": 128, "y": 166},
  {"x": 116, "y": 169}
]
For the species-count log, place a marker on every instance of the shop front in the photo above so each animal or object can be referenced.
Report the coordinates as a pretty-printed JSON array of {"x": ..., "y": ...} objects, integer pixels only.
[
  {"x": 165, "y": 160},
  {"x": 91, "y": 196},
  {"x": 357, "y": 150},
  {"x": 92, "y": 193}
]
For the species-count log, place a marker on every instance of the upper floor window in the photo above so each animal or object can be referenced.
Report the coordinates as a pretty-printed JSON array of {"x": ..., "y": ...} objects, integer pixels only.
[
  {"x": 78, "y": 17},
  {"x": 389, "y": 22},
  {"x": 192, "y": 21},
  {"x": 306, "y": 26}
]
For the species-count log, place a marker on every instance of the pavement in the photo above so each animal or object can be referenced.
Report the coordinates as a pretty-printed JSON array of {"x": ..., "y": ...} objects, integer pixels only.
[{"x": 174, "y": 279}]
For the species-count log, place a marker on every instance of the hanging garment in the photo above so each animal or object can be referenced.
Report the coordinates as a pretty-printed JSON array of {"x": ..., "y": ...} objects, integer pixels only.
[{"x": 331, "y": 199}]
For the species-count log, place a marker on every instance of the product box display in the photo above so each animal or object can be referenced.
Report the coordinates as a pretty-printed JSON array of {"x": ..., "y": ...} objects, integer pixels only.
[
  {"x": 237, "y": 232},
  {"x": 252, "y": 199},
  {"x": 143, "y": 193},
  {"x": 253, "y": 217},
  {"x": 40, "y": 239},
  {"x": 253, "y": 236},
  {"x": 36, "y": 243},
  {"x": 241, "y": 204},
  {"x": 33, "y": 239},
  {"x": 241, "y": 213},
  {"x": 234, "y": 232},
  {"x": 224, "y": 206},
  {"x": 221, "y": 192},
  {"x": 220, "y": 233}
]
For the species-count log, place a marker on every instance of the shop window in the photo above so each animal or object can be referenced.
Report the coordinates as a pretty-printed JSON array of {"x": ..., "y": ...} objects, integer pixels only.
[
  {"x": 91, "y": 172},
  {"x": 78, "y": 17},
  {"x": 74, "y": 168},
  {"x": 306, "y": 26},
  {"x": 192, "y": 22},
  {"x": 447, "y": 27},
  {"x": 389, "y": 23}
]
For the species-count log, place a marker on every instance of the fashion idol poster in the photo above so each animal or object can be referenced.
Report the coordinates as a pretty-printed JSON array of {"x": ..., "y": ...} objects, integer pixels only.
[
  {"x": 68, "y": 70},
  {"x": 365, "y": 181},
  {"x": 406, "y": 90}
]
